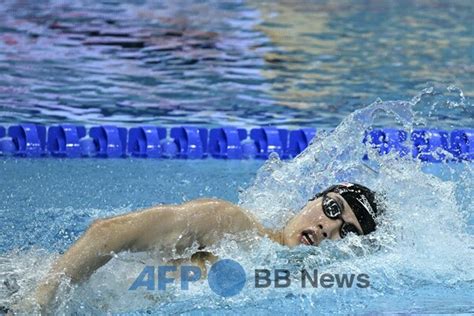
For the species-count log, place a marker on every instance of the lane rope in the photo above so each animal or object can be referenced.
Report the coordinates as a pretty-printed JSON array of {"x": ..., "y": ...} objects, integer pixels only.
[{"x": 227, "y": 142}]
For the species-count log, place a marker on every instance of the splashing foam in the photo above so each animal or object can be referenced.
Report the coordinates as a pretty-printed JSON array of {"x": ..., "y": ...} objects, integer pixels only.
[
  {"x": 422, "y": 238},
  {"x": 423, "y": 232}
]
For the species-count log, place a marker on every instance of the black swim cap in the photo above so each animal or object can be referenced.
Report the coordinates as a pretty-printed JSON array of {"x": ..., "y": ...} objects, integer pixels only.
[{"x": 361, "y": 200}]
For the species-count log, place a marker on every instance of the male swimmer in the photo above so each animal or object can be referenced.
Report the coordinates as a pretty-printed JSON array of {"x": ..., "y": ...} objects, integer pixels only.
[{"x": 332, "y": 214}]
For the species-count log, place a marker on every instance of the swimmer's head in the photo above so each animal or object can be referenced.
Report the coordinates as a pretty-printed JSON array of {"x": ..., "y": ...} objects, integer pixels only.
[{"x": 337, "y": 211}]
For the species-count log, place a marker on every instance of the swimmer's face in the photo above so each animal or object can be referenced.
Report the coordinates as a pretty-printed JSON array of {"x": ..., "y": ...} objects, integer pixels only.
[{"x": 311, "y": 225}]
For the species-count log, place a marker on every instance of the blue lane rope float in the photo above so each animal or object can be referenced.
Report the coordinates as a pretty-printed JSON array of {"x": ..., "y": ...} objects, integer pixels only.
[
  {"x": 145, "y": 141},
  {"x": 191, "y": 142},
  {"x": 110, "y": 141},
  {"x": 28, "y": 139},
  {"x": 270, "y": 139},
  {"x": 299, "y": 140},
  {"x": 427, "y": 142},
  {"x": 228, "y": 142},
  {"x": 387, "y": 140},
  {"x": 462, "y": 144},
  {"x": 63, "y": 140}
]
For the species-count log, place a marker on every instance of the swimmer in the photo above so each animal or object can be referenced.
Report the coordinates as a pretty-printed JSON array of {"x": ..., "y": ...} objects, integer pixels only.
[{"x": 342, "y": 209}]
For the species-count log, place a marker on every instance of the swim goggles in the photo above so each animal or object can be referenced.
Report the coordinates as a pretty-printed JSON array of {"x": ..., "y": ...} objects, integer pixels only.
[
  {"x": 333, "y": 210},
  {"x": 361, "y": 200}
]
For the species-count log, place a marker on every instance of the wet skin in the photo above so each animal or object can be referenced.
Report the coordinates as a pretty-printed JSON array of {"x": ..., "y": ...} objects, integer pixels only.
[
  {"x": 178, "y": 227},
  {"x": 311, "y": 225}
]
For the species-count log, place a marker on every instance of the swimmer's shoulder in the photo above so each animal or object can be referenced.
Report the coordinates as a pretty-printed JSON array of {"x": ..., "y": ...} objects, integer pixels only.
[
  {"x": 210, "y": 202},
  {"x": 238, "y": 218}
]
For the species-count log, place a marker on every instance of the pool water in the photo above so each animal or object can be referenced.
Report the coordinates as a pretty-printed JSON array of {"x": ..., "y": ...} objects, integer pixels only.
[
  {"x": 322, "y": 64},
  {"x": 246, "y": 63},
  {"x": 417, "y": 259},
  {"x": 73, "y": 193}
]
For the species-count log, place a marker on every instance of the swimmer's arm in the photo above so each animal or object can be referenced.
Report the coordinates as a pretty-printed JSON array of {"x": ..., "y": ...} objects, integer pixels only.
[{"x": 175, "y": 226}]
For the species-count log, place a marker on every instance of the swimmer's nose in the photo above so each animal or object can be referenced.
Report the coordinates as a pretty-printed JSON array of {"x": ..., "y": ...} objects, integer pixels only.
[
  {"x": 325, "y": 230},
  {"x": 322, "y": 234}
]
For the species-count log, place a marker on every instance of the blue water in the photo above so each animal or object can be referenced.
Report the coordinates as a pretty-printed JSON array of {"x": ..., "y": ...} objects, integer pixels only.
[
  {"x": 209, "y": 63},
  {"x": 417, "y": 260},
  {"x": 71, "y": 193},
  {"x": 48, "y": 203},
  {"x": 246, "y": 63}
]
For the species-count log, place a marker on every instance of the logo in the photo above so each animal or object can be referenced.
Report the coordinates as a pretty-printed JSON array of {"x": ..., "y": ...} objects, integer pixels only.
[{"x": 227, "y": 278}]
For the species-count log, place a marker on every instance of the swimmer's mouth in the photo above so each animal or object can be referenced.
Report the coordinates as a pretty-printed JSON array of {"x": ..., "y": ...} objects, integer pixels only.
[{"x": 308, "y": 237}]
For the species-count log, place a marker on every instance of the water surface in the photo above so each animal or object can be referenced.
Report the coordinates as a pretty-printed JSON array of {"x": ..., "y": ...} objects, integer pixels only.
[{"x": 246, "y": 63}]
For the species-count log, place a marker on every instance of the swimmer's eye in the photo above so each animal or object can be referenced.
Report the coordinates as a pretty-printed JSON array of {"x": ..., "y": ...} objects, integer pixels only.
[
  {"x": 347, "y": 228},
  {"x": 331, "y": 208}
]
